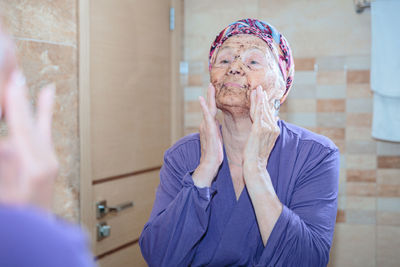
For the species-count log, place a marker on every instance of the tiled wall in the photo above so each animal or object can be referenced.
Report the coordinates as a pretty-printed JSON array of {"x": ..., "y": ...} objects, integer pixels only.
[
  {"x": 45, "y": 33},
  {"x": 331, "y": 96}
]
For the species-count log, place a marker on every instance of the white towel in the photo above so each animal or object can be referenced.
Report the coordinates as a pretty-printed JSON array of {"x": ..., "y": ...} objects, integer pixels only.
[{"x": 385, "y": 69}]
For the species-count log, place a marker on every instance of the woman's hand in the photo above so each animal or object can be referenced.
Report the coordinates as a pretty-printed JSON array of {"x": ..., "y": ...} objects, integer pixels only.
[
  {"x": 28, "y": 164},
  {"x": 264, "y": 132},
  {"x": 212, "y": 153}
]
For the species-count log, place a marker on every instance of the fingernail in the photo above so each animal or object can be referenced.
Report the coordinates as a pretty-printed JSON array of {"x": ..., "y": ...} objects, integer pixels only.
[
  {"x": 52, "y": 87},
  {"x": 18, "y": 79}
]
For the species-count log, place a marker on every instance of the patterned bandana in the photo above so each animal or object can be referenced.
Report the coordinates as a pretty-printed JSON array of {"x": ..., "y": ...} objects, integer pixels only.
[{"x": 275, "y": 41}]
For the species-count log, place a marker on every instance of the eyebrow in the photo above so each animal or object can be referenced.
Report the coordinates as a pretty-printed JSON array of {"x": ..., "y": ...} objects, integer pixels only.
[{"x": 251, "y": 47}]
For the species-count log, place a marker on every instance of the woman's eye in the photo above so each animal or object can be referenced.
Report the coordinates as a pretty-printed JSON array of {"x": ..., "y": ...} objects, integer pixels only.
[
  {"x": 253, "y": 62},
  {"x": 224, "y": 61}
]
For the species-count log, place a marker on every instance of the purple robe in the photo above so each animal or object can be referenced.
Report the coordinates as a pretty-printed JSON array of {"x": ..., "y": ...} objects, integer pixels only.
[
  {"x": 28, "y": 237},
  {"x": 191, "y": 226}
]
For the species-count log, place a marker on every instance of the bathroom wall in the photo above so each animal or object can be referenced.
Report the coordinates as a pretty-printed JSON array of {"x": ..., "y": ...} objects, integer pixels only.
[
  {"x": 45, "y": 33},
  {"x": 331, "y": 96}
]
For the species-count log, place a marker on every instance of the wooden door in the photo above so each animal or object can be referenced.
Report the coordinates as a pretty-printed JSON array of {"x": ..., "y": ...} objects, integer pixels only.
[{"x": 127, "y": 90}]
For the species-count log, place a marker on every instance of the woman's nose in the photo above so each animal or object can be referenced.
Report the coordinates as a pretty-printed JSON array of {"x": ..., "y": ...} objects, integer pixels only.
[{"x": 236, "y": 68}]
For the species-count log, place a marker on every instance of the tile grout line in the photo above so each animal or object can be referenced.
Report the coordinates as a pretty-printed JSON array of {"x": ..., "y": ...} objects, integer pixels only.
[{"x": 43, "y": 41}]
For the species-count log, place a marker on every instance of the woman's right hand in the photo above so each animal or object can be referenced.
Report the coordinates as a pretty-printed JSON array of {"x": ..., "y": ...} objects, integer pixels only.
[{"x": 212, "y": 153}]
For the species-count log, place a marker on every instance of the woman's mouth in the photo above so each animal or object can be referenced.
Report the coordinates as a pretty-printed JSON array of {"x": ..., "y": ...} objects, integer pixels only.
[{"x": 236, "y": 85}]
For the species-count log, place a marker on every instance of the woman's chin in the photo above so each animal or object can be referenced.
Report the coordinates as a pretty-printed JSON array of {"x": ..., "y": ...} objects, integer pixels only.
[{"x": 234, "y": 105}]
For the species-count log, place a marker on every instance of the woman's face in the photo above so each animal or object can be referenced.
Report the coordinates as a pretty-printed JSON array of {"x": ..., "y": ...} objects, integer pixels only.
[{"x": 241, "y": 64}]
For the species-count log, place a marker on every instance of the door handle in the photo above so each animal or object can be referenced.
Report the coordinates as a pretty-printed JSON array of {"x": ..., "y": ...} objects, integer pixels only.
[
  {"x": 103, "y": 231},
  {"x": 102, "y": 209}
]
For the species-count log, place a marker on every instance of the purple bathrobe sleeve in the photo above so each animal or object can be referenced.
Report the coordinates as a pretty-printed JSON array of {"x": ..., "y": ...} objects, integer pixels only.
[
  {"x": 303, "y": 234},
  {"x": 29, "y": 237},
  {"x": 180, "y": 215}
]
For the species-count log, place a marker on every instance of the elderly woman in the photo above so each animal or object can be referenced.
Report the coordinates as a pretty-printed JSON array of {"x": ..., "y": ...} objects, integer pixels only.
[{"x": 255, "y": 191}]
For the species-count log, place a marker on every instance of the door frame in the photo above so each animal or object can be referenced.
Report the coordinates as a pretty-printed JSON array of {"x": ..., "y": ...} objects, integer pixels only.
[{"x": 87, "y": 211}]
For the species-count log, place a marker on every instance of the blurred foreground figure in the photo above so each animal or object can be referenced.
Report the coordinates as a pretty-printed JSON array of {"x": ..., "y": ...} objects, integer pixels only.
[{"x": 30, "y": 235}]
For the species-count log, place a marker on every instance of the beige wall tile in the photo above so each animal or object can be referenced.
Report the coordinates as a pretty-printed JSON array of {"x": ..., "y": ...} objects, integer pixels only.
[
  {"x": 388, "y": 176},
  {"x": 358, "y": 76},
  {"x": 342, "y": 188},
  {"x": 360, "y": 203},
  {"x": 195, "y": 80},
  {"x": 50, "y": 21},
  {"x": 341, "y": 216},
  {"x": 359, "y": 105},
  {"x": 358, "y": 133},
  {"x": 341, "y": 145},
  {"x": 198, "y": 67},
  {"x": 205, "y": 19},
  {"x": 361, "y": 189},
  {"x": 388, "y": 218},
  {"x": 305, "y": 77},
  {"x": 361, "y": 90},
  {"x": 342, "y": 202},
  {"x": 330, "y": 63},
  {"x": 192, "y": 107},
  {"x": 331, "y": 91},
  {"x": 193, "y": 120},
  {"x": 359, "y": 119},
  {"x": 192, "y": 93},
  {"x": 304, "y": 119},
  {"x": 391, "y": 204},
  {"x": 361, "y": 161},
  {"x": 360, "y": 147},
  {"x": 291, "y": 16},
  {"x": 391, "y": 162},
  {"x": 190, "y": 130},
  {"x": 385, "y": 190},
  {"x": 331, "y": 77},
  {"x": 388, "y": 148},
  {"x": 332, "y": 133},
  {"x": 331, "y": 105},
  {"x": 388, "y": 244},
  {"x": 353, "y": 246},
  {"x": 299, "y": 105},
  {"x": 368, "y": 176},
  {"x": 304, "y": 64},
  {"x": 331, "y": 119},
  {"x": 362, "y": 62},
  {"x": 299, "y": 90},
  {"x": 357, "y": 216}
]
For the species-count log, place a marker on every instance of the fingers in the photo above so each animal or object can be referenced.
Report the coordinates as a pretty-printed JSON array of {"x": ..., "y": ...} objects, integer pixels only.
[
  {"x": 212, "y": 107},
  {"x": 261, "y": 108},
  {"x": 45, "y": 111},
  {"x": 268, "y": 110},
  {"x": 253, "y": 99},
  {"x": 206, "y": 113},
  {"x": 17, "y": 107},
  {"x": 258, "y": 107}
]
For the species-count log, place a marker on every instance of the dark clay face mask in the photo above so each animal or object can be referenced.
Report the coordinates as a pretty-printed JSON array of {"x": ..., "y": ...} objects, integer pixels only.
[{"x": 241, "y": 64}]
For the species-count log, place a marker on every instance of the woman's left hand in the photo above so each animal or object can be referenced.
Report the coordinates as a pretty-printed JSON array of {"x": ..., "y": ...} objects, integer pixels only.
[{"x": 264, "y": 132}]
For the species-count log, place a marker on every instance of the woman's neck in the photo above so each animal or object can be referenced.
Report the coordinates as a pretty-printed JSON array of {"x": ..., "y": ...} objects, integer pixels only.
[{"x": 235, "y": 132}]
